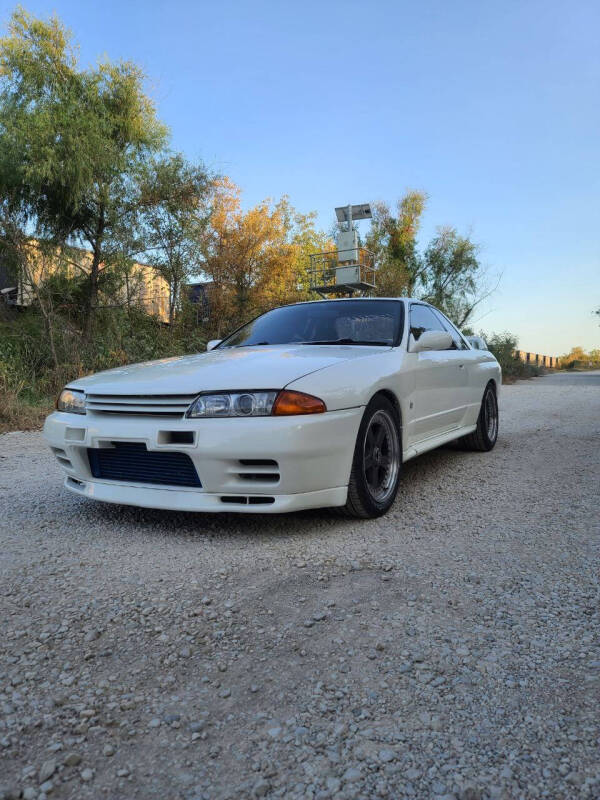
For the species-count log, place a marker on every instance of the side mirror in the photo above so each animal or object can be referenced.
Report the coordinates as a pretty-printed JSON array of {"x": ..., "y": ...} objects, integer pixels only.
[
  {"x": 432, "y": 340},
  {"x": 212, "y": 344}
]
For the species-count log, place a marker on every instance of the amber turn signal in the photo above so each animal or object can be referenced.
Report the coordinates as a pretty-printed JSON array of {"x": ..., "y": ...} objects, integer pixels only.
[{"x": 288, "y": 403}]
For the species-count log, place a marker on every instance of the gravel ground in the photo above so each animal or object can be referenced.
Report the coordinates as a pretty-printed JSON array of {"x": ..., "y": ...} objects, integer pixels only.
[{"x": 450, "y": 649}]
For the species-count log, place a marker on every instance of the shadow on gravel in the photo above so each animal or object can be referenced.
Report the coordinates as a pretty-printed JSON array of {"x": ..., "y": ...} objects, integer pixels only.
[{"x": 417, "y": 475}]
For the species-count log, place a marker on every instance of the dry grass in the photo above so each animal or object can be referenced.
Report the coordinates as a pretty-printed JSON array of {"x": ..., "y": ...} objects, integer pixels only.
[{"x": 18, "y": 415}]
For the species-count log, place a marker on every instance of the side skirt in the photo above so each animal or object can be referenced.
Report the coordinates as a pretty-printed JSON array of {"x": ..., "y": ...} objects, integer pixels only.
[{"x": 436, "y": 441}]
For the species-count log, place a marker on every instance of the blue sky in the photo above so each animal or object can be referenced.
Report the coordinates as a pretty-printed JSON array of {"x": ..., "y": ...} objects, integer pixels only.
[{"x": 492, "y": 108}]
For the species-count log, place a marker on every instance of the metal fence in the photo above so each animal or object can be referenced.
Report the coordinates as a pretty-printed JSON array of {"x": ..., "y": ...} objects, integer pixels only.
[{"x": 325, "y": 270}]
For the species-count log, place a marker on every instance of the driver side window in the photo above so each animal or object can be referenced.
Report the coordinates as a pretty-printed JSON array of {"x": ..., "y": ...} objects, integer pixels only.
[{"x": 423, "y": 319}]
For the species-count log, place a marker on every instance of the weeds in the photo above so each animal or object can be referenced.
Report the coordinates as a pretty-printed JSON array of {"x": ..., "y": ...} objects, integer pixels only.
[{"x": 29, "y": 381}]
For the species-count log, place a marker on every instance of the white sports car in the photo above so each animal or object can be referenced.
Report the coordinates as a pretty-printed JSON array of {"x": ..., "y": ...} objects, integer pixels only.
[{"x": 309, "y": 405}]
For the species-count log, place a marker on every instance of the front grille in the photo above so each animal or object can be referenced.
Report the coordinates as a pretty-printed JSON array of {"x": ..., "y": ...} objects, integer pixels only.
[
  {"x": 171, "y": 405},
  {"x": 132, "y": 462}
]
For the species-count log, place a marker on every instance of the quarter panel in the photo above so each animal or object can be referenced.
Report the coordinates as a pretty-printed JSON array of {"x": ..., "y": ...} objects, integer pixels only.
[{"x": 483, "y": 368}]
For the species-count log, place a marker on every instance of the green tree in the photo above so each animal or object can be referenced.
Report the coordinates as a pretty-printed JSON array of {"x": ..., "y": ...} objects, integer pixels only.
[
  {"x": 451, "y": 275},
  {"x": 393, "y": 241},
  {"x": 447, "y": 274},
  {"x": 72, "y": 142},
  {"x": 174, "y": 195}
]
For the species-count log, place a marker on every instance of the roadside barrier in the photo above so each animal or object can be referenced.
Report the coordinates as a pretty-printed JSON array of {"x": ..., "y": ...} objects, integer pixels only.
[{"x": 538, "y": 360}]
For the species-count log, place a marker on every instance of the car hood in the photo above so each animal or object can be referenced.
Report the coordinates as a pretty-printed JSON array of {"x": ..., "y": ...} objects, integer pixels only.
[{"x": 264, "y": 367}]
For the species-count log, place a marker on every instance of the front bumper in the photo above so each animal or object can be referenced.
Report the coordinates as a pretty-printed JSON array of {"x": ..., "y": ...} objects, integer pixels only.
[{"x": 313, "y": 456}]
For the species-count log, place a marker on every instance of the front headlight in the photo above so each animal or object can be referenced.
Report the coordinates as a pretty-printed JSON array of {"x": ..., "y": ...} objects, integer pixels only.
[
  {"x": 71, "y": 400},
  {"x": 255, "y": 404},
  {"x": 233, "y": 404}
]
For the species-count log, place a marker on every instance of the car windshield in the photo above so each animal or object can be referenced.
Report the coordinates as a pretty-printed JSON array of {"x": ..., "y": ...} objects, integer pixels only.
[{"x": 325, "y": 322}]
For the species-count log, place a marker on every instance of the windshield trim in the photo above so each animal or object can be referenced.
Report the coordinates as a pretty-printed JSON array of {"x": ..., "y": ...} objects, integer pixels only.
[{"x": 397, "y": 341}]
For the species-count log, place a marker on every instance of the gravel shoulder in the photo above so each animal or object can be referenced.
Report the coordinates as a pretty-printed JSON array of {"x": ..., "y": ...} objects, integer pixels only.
[{"x": 450, "y": 649}]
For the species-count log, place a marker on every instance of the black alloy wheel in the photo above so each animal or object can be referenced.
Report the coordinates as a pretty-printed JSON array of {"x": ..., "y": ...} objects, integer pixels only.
[
  {"x": 485, "y": 436},
  {"x": 377, "y": 461}
]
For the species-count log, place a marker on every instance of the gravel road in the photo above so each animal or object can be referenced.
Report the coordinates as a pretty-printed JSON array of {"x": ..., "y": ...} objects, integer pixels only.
[{"x": 450, "y": 649}]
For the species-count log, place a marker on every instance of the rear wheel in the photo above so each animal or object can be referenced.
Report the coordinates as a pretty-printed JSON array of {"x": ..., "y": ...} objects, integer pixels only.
[
  {"x": 377, "y": 461},
  {"x": 485, "y": 435}
]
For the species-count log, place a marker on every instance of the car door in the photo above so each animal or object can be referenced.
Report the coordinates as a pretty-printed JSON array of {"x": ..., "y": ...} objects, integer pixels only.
[
  {"x": 471, "y": 358},
  {"x": 440, "y": 380}
]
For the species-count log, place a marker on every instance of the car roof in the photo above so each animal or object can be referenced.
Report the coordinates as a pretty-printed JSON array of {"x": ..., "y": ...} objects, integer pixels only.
[{"x": 345, "y": 299}]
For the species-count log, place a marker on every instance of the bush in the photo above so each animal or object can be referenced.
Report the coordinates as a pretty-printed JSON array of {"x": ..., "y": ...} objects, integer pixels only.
[
  {"x": 30, "y": 379},
  {"x": 503, "y": 346}
]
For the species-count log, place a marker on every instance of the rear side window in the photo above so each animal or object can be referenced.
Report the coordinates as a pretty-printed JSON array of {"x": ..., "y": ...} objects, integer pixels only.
[
  {"x": 459, "y": 342},
  {"x": 423, "y": 319}
]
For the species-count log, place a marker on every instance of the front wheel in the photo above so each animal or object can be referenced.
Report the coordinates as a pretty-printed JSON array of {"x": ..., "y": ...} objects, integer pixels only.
[
  {"x": 485, "y": 435},
  {"x": 377, "y": 461}
]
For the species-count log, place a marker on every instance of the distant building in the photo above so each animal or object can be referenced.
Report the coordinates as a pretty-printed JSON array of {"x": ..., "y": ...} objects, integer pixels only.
[
  {"x": 198, "y": 295},
  {"x": 141, "y": 285}
]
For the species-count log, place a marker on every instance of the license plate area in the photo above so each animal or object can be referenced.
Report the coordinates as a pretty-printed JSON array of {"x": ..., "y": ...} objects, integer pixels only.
[{"x": 132, "y": 462}]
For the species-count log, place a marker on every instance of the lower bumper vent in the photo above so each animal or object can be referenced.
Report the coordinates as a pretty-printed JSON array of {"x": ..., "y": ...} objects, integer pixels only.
[
  {"x": 132, "y": 462},
  {"x": 251, "y": 500},
  {"x": 62, "y": 457},
  {"x": 263, "y": 470}
]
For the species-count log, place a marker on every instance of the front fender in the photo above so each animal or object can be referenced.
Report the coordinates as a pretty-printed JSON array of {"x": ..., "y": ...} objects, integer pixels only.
[{"x": 351, "y": 384}]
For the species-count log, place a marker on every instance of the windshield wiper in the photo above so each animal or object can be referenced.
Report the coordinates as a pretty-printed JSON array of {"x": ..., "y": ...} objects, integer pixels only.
[{"x": 348, "y": 341}]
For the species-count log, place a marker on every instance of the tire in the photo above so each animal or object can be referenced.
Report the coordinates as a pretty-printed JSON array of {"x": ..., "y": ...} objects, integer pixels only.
[
  {"x": 377, "y": 462},
  {"x": 484, "y": 437}
]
